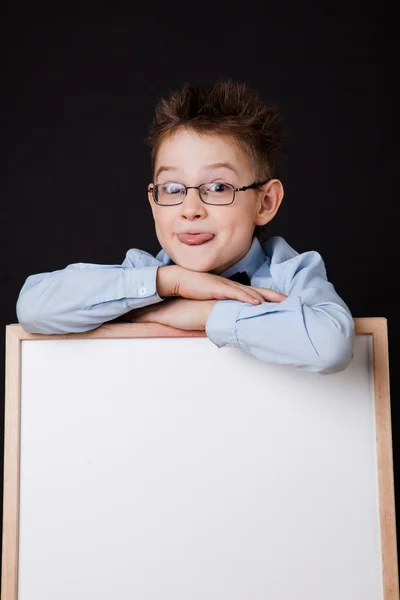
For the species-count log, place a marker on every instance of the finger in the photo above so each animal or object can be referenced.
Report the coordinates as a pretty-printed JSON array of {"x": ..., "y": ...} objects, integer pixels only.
[
  {"x": 239, "y": 291},
  {"x": 243, "y": 294},
  {"x": 255, "y": 295},
  {"x": 271, "y": 295}
]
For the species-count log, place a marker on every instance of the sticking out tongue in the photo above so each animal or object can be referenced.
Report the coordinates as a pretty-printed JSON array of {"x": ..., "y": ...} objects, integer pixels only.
[{"x": 193, "y": 239}]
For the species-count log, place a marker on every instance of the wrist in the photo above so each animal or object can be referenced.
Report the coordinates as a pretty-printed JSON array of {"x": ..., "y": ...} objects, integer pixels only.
[
  {"x": 208, "y": 305},
  {"x": 166, "y": 280}
]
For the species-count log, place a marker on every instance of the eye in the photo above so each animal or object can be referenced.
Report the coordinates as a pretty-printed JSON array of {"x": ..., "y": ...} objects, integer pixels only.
[
  {"x": 217, "y": 187},
  {"x": 172, "y": 188}
]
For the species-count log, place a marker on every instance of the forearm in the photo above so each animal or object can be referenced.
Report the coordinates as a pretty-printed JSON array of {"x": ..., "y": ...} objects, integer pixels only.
[
  {"x": 80, "y": 299},
  {"x": 311, "y": 338}
]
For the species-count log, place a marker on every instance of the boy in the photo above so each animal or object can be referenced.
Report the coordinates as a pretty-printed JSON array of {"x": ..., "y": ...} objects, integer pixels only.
[{"x": 214, "y": 154}]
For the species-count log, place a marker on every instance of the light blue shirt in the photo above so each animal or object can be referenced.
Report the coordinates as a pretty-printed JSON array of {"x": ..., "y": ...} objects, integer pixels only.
[{"x": 311, "y": 330}]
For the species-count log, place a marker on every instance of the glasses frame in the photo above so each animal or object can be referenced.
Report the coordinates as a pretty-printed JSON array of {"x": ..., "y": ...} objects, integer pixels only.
[{"x": 197, "y": 187}]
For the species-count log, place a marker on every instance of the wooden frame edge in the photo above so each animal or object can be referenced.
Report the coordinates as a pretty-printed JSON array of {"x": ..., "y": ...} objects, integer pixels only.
[
  {"x": 384, "y": 448},
  {"x": 11, "y": 478},
  {"x": 114, "y": 330},
  {"x": 15, "y": 334}
]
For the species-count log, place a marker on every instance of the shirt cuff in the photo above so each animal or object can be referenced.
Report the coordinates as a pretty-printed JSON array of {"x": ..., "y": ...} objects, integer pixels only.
[
  {"x": 221, "y": 323},
  {"x": 140, "y": 284}
]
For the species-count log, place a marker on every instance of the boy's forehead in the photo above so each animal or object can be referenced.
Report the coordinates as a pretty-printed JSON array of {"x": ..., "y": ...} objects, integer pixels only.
[{"x": 189, "y": 151}]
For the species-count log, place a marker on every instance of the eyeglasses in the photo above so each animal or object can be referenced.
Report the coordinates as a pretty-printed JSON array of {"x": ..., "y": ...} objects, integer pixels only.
[{"x": 171, "y": 193}]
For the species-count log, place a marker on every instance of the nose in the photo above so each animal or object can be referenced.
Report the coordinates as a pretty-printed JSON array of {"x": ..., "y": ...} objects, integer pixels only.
[{"x": 192, "y": 207}]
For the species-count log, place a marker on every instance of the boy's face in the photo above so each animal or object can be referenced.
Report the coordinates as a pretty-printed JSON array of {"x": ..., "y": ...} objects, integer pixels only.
[{"x": 191, "y": 159}]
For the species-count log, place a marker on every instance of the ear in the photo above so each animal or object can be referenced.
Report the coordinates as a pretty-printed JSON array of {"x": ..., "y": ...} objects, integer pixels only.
[{"x": 271, "y": 196}]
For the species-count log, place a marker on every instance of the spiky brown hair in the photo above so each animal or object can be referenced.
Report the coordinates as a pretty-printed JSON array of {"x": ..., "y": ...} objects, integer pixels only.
[{"x": 224, "y": 107}]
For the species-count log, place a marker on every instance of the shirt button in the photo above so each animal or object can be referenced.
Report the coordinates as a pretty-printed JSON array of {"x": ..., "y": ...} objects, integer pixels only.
[{"x": 142, "y": 291}]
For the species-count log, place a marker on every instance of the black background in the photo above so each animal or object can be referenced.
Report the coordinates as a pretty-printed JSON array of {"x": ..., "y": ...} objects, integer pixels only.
[{"x": 78, "y": 89}]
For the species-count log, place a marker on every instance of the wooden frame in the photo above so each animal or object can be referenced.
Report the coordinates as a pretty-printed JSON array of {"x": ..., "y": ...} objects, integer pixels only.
[{"x": 15, "y": 334}]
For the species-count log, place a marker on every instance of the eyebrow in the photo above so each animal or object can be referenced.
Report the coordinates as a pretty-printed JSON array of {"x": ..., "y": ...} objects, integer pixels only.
[{"x": 220, "y": 165}]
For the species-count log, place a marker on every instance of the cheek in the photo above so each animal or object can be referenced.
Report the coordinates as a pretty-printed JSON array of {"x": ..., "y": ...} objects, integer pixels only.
[
  {"x": 237, "y": 221},
  {"x": 164, "y": 225}
]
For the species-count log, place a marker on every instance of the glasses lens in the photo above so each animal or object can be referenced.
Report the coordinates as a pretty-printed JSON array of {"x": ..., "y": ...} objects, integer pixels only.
[
  {"x": 217, "y": 193},
  {"x": 169, "y": 193}
]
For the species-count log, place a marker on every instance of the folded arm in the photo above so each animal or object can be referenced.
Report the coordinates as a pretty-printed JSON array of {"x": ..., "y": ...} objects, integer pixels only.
[
  {"x": 83, "y": 296},
  {"x": 311, "y": 330}
]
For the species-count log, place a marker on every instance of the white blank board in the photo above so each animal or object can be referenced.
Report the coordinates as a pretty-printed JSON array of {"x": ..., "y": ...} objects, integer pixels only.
[{"x": 169, "y": 469}]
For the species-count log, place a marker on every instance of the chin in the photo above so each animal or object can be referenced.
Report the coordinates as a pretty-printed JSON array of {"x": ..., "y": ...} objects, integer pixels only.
[{"x": 196, "y": 263}]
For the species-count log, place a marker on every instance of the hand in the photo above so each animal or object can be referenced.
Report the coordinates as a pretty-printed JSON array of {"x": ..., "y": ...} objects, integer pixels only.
[
  {"x": 176, "y": 312},
  {"x": 174, "y": 280}
]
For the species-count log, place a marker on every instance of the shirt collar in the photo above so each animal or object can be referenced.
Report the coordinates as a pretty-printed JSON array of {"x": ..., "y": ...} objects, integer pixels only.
[{"x": 250, "y": 263}]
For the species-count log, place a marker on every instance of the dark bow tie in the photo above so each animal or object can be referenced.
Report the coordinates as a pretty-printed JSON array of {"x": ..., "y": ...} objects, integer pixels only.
[{"x": 240, "y": 277}]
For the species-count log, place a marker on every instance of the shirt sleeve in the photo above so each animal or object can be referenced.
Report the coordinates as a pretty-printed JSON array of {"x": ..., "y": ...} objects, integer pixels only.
[
  {"x": 83, "y": 296},
  {"x": 311, "y": 330}
]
